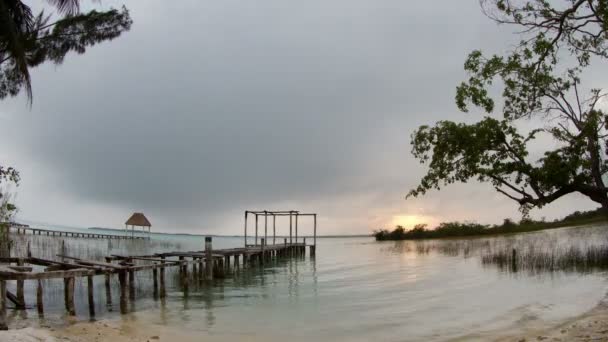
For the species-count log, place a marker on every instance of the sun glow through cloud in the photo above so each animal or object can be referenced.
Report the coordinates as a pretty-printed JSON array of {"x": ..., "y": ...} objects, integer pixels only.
[{"x": 409, "y": 221}]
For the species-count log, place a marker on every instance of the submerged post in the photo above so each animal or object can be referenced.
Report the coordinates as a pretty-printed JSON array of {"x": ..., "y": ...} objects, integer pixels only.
[
  {"x": 69, "y": 296},
  {"x": 108, "y": 292},
  {"x": 274, "y": 228},
  {"x": 162, "y": 277},
  {"x": 39, "y": 301},
  {"x": 90, "y": 295},
  {"x": 290, "y": 226},
  {"x": 122, "y": 278},
  {"x": 209, "y": 257}
]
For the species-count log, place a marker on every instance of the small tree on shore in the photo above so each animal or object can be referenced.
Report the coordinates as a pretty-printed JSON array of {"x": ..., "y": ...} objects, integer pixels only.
[
  {"x": 538, "y": 83},
  {"x": 8, "y": 209}
]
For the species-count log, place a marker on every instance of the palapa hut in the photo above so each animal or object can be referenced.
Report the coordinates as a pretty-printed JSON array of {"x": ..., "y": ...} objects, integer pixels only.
[{"x": 139, "y": 220}]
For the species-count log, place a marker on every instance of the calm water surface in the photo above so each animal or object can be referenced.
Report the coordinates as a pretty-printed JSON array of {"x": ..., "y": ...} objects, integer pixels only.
[{"x": 355, "y": 289}]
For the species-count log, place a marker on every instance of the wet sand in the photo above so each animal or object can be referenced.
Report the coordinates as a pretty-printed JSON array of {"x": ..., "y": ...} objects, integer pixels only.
[{"x": 591, "y": 326}]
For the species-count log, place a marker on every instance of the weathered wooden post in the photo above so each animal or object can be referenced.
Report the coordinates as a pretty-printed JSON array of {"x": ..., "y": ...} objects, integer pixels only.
[
  {"x": 155, "y": 280},
  {"x": 265, "y": 225},
  {"x": 227, "y": 264},
  {"x": 3, "y": 323},
  {"x": 209, "y": 258},
  {"x": 108, "y": 291},
  {"x": 91, "y": 296},
  {"x": 20, "y": 295},
  {"x": 284, "y": 251},
  {"x": 297, "y": 215},
  {"x": 256, "y": 229},
  {"x": 181, "y": 268},
  {"x": 303, "y": 249},
  {"x": 29, "y": 251},
  {"x": 313, "y": 247},
  {"x": 263, "y": 253},
  {"x": 122, "y": 279},
  {"x": 131, "y": 284},
  {"x": 39, "y": 300},
  {"x": 236, "y": 261},
  {"x": 184, "y": 273},
  {"x": 274, "y": 228},
  {"x": 63, "y": 251},
  {"x": 290, "y": 227},
  {"x": 163, "y": 294},
  {"x": 200, "y": 268},
  {"x": 69, "y": 296},
  {"x": 245, "y": 235}
]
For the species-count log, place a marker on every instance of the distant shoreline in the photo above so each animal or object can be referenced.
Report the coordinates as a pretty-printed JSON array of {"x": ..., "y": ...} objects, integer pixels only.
[
  {"x": 234, "y": 236},
  {"x": 451, "y": 230}
]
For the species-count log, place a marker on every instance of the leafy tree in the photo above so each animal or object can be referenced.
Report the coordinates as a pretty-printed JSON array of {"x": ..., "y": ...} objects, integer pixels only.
[
  {"x": 541, "y": 80},
  {"x": 28, "y": 40}
]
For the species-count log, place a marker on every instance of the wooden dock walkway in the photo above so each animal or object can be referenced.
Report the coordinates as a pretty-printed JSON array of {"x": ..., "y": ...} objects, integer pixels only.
[
  {"x": 206, "y": 264},
  {"x": 20, "y": 230}
]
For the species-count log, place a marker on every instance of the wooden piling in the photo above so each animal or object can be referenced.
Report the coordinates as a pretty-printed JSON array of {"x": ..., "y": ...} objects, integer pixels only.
[
  {"x": 122, "y": 278},
  {"x": 208, "y": 258},
  {"x": 90, "y": 293},
  {"x": 163, "y": 293},
  {"x": 155, "y": 279},
  {"x": 108, "y": 291},
  {"x": 263, "y": 247},
  {"x": 39, "y": 296},
  {"x": 69, "y": 299},
  {"x": 3, "y": 323},
  {"x": 181, "y": 266},
  {"x": 131, "y": 285},
  {"x": 200, "y": 268},
  {"x": 20, "y": 294}
]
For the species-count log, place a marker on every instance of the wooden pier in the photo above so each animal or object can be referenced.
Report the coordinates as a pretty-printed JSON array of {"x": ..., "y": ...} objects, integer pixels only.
[
  {"x": 207, "y": 264},
  {"x": 20, "y": 230}
]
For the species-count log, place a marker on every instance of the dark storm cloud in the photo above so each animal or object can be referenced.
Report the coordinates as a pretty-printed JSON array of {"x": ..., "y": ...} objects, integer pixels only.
[{"x": 209, "y": 107}]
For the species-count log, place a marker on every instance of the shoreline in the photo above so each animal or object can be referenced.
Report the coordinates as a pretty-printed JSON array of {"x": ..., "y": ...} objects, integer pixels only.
[
  {"x": 590, "y": 326},
  {"x": 581, "y": 225}
]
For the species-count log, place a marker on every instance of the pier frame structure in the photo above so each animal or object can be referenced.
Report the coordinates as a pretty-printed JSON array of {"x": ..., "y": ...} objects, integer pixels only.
[{"x": 293, "y": 236}]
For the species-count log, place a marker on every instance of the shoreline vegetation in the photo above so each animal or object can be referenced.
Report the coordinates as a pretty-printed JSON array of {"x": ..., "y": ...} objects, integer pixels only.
[{"x": 473, "y": 229}]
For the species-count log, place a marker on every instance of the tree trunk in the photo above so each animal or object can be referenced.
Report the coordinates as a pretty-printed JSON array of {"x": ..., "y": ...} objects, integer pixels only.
[{"x": 5, "y": 242}]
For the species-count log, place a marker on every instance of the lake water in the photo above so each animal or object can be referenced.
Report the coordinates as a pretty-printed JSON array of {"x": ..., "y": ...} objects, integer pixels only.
[{"x": 355, "y": 289}]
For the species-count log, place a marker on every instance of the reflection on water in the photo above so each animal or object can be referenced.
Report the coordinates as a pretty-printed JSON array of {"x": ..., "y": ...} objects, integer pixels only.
[{"x": 358, "y": 289}]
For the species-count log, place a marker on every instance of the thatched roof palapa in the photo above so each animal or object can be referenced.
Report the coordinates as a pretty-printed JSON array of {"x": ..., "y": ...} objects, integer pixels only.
[{"x": 138, "y": 219}]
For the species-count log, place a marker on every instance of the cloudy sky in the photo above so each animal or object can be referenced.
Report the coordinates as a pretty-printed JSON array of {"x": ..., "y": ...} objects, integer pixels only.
[{"x": 208, "y": 108}]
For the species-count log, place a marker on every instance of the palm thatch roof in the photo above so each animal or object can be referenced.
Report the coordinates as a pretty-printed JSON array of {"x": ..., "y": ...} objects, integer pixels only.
[{"x": 138, "y": 219}]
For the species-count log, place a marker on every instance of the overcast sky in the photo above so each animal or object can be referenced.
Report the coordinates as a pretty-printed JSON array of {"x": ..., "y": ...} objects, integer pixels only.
[{"x": 208, "y": 108}]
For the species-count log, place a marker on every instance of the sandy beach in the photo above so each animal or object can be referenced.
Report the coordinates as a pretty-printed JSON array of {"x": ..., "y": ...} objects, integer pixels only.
[{"x": 591, "y": 326}]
